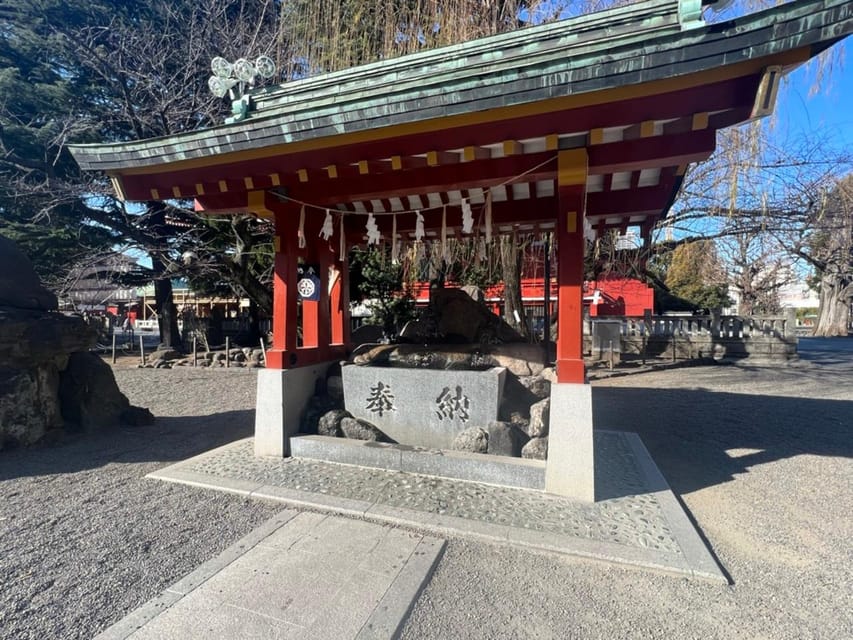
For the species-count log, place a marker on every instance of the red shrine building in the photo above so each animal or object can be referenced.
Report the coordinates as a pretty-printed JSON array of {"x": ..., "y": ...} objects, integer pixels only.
[{"x": 573, "y": 127}]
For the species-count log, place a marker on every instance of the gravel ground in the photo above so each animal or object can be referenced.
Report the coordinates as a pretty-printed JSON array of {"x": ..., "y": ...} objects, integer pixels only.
[
  {"x": 761, "y": 457},
  {"x": 85, "y": 538}
]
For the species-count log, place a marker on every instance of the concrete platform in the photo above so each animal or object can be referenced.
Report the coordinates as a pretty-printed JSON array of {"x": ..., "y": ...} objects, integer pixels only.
[
  {"x": 635, "y": 521},
  {"x": 301, "y": 575}
]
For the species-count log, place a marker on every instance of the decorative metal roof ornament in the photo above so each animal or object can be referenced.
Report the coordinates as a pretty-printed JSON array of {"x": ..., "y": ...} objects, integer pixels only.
[{"x": 243, "y": 72}]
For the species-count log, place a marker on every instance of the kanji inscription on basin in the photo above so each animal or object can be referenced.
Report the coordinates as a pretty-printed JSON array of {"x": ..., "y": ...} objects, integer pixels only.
[{"x": 423, "y": 407}]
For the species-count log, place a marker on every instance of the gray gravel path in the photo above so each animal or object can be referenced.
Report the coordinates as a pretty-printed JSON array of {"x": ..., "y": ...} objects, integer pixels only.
[
  {"x": 760, "y": 455},
  {"x": 85, "y": 538}
]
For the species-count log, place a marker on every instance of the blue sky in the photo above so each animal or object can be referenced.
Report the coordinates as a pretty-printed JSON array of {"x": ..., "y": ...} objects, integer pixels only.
[{"x": 829, "y": 112}]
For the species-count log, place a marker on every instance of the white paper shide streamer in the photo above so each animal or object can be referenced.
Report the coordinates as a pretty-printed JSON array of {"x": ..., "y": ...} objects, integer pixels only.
[
  {"x": 301, "y": 232},
  {"x": 488, "y": 221},
  {"x": 394, "y": 255},
  {"x": 328, "y": 226},
  {"x": 373, "y": 234},
  {"x": 419, "y": 227},
  {"x": 444, "y": 232},
  {"x": 467, "y": 218}
]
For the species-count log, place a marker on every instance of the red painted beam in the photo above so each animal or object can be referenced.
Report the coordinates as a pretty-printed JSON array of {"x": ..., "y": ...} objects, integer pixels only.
[
  {"x": 657, "y": 151},
  {"x": 442, "y": 178},
  {"x": 735, "y": 93}
]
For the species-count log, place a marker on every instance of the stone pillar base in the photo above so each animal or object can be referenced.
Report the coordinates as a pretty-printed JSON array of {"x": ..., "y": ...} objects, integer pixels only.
[
  {"x": 282, "y": 397},
  {"x": 570, "y": 468}
]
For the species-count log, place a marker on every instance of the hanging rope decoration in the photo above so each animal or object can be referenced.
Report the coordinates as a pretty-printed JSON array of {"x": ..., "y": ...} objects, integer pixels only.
[
  {"x": 373, "y": 233},
  {"x": 488, "y": 222},
  {"x": 343, "y": 248},
  {"x": 394, "y": 240},
  {"x": 467, "y": 217},
  {"x": 328, "y": 227},
  {"x": 419, "y": 227},
  {"x": 301, "y": 232},
  {"x": 444, "y": 232}
]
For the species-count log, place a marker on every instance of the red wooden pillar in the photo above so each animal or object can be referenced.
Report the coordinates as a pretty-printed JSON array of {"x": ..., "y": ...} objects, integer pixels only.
[
  {"x": 335, "y": 309},
  {"x": 571, "y": 192},
  {"x": 284, "y": 289}
]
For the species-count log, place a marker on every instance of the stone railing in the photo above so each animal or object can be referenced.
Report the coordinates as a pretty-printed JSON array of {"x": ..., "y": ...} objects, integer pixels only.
[
  {"x": 715, "y": 325},
  {"x": 691, "y": 337}
]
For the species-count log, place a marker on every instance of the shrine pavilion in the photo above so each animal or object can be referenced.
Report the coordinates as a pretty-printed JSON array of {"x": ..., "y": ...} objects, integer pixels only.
[{"x": 573, "y": 127}]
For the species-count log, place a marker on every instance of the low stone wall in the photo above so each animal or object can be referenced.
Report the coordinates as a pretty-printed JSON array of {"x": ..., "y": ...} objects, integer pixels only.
[{"x": 703, "y": 346}]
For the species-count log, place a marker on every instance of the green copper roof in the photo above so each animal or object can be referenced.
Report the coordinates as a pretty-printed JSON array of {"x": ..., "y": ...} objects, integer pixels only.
[{"x": 634, "y": 44}]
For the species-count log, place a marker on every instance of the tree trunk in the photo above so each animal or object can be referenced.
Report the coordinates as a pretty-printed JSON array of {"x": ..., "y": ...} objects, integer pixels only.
[
  {"x": 167, "y": 315},
  {"x": 511, "y": 267},
  {"x": 833, "y": 318}
]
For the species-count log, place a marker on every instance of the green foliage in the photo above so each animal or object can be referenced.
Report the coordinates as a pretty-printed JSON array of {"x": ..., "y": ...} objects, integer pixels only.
[
  {"x": 695, "y": 275},
  {"x": 380, "y": 281}
]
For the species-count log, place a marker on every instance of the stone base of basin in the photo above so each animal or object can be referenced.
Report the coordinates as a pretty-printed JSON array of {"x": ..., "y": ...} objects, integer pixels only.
[
  {"x": 423, "y": 407},
  {"x": 459, "y": 465}
]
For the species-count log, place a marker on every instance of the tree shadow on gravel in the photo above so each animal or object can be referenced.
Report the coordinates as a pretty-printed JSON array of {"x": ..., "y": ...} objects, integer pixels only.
[
  {"x": 701, "y": 438},
  {"x": 169, "y": 439}
]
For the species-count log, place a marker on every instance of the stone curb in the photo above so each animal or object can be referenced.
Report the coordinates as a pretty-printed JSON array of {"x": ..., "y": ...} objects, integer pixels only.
[
  {"x": 138, "y": 618},
  {"x": 391, "y": 613}
]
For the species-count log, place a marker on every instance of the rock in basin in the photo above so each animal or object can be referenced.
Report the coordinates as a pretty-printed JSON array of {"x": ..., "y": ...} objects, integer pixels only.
[{"x": 426, "y": 408}]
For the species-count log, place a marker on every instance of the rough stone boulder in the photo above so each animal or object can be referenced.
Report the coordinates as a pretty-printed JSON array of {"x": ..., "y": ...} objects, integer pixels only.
[
  {"x": 536, "y": 449},
  {"x": 540, "y": 418},
  {"x": 330, "y": 423},
  {"x": 48, "y": 380},
  {"x": 356, "y": 429},
  {"x": 506, "y": 439},
  {"x": 520, "y": 359},
  {"x": 474, "y": 440},
  {"x": 89, "y": 396},
  {"x": 19, "y": 285},
  {"x": 458, "y": 316}
]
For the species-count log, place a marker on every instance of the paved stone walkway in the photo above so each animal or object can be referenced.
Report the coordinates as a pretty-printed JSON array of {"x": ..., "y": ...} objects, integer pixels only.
[
  {"x": 637, "y": 519},
  {"x": 305, "y": 575}
]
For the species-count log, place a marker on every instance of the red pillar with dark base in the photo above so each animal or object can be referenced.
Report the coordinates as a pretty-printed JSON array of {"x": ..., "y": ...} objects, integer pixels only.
[
  {"x": 284, "y": 289},
  {"x": 571, "y": 191}
]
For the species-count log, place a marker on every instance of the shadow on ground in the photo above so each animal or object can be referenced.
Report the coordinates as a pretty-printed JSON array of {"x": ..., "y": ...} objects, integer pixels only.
[
  {"x": 703, "y": 438},
  {"x": 169, "y": 439}
]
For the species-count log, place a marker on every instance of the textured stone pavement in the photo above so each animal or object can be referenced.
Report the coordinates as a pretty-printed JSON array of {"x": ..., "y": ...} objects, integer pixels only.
[
  {"x": 637, "y": 520},
  {"x": 300, "y": 575}
]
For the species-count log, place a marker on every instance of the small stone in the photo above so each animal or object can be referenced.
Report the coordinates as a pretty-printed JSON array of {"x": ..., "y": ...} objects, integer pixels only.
[
  {"x": 329, "y": 423},
  {"x": 506, "y": 439},
  {"x": 536, "y": 449},
  {"x": 549, "y": 374},
  {"x": 356, "y": 429},
  {"x": 537, "y": 385},
  {"x": 540, "y": 415},
  {"x": 474, "y": 440}
]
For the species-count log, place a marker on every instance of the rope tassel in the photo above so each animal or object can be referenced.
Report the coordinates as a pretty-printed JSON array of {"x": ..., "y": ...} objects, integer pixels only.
[{"x": 301, "y": 233}]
